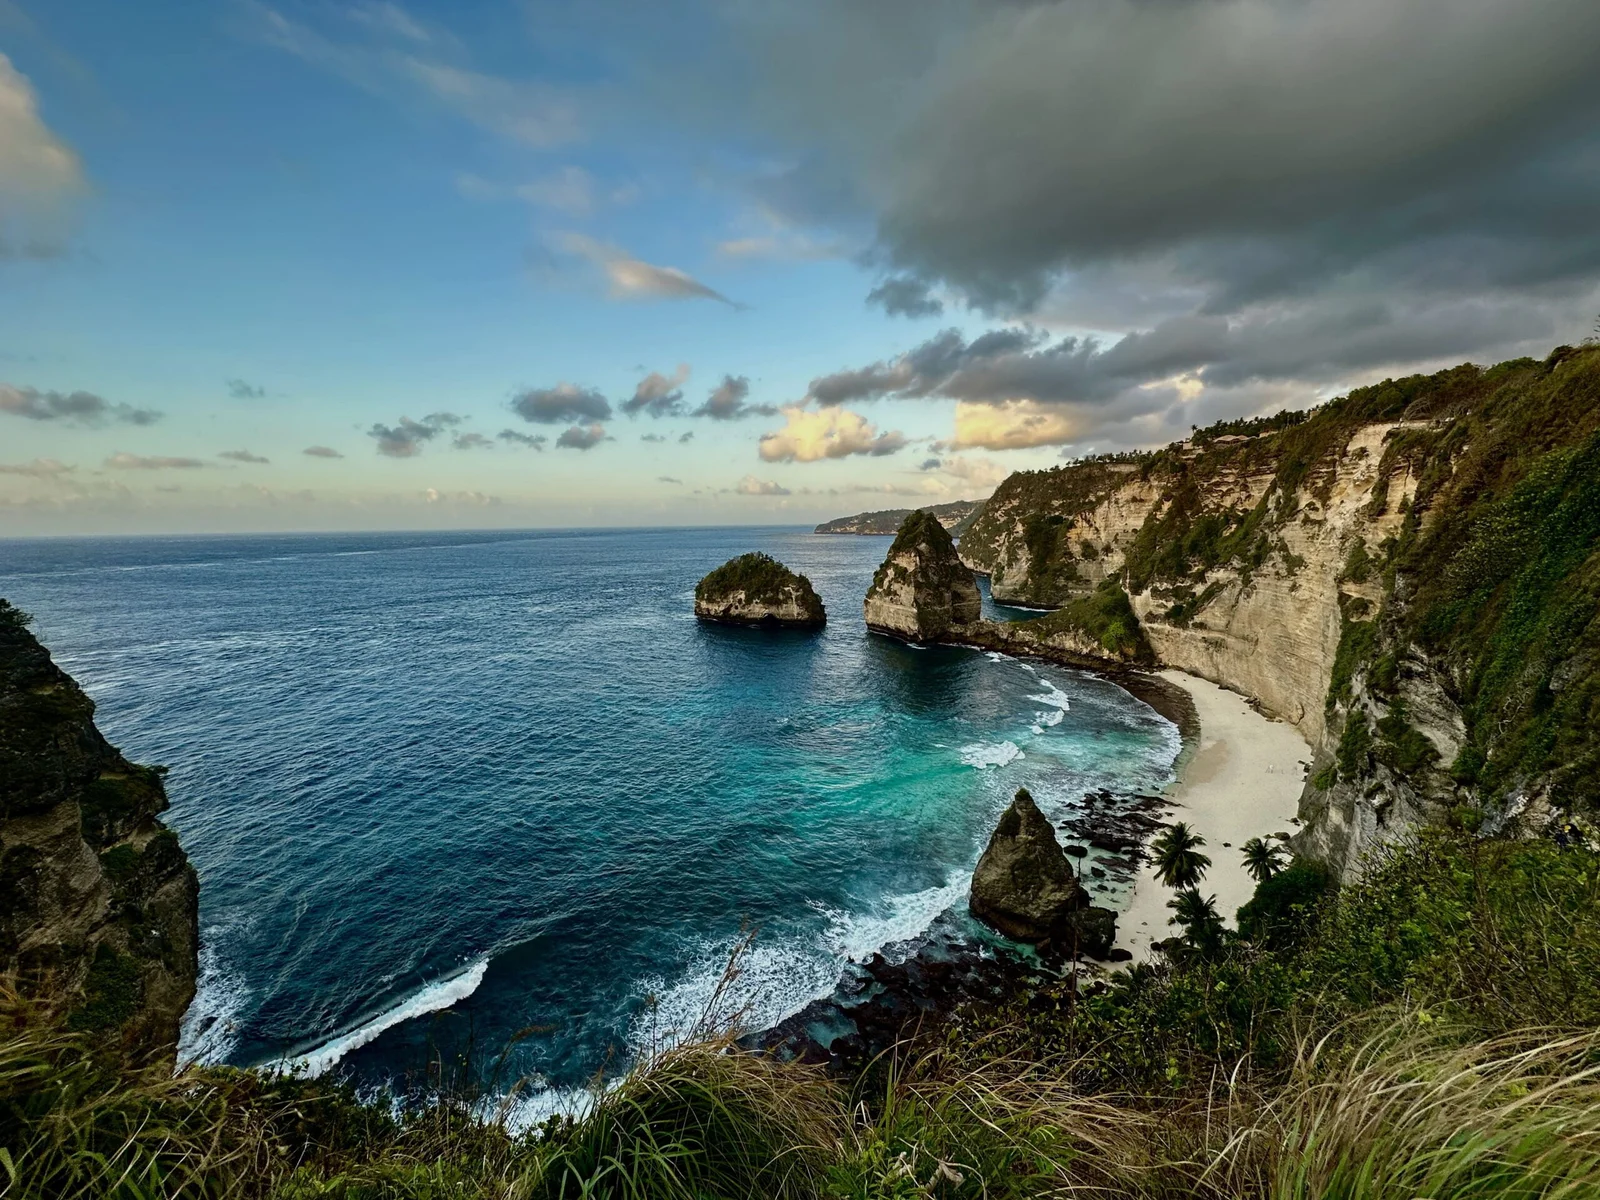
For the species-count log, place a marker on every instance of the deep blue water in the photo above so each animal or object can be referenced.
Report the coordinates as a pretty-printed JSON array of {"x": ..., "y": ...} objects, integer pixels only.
[{"x": 437, "y": 782}]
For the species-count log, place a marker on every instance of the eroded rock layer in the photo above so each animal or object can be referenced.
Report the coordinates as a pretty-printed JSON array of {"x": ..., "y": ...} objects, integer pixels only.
[{"x": 922, "y": 591}]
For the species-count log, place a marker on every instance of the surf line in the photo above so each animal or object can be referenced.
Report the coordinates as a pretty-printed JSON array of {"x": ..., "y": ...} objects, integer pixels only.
[{"x": 439, "y": 994}]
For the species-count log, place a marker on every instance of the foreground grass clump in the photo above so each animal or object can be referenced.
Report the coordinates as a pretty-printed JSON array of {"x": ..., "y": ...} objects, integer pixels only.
[{"x": 1433, "y": 1031}]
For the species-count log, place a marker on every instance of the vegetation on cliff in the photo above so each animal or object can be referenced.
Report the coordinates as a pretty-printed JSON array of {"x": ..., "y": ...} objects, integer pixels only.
[
  {"x": 97, "y": 900},
  {"x": 1104, "y": 617},
  {"x": 954, "y": 516},
  {"x": 755, "y": 587},
  {"x": 1370, "y": 1043}
]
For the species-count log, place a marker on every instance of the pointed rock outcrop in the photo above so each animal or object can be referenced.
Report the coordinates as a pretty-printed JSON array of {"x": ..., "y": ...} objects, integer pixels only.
[
  {"x": 98, "y": 904},
  {"x": 1024, "y": 886},
  {"x": 757, "y": 589},
  {"x": 922, "y": 592}
]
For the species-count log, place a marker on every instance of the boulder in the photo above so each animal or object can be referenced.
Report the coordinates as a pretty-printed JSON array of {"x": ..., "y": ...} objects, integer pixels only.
[
  {"x": 1091, "y": 932},
  {"x": 1024, "y": 885},
  {"x": 757, "y": 589},
  {"x": 922, "y": 592}
]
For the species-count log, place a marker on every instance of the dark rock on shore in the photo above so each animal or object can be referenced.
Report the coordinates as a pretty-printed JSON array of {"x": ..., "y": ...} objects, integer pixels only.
[
  {"x": 98, "y": 904},
  {"x": 922, "y": 592},
  {"x": 757, "y": 589},
  {"x": 1024, "y": 887}
]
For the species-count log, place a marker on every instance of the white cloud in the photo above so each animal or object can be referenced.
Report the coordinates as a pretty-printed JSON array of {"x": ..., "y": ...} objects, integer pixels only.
[
  {"x": 751, "y": 486},
  {"x": 39, "y": 468},
  {"x": 40, "y": 175},
  {"x": 1013, "y": 425},
  {"x": 123, "y": 461},
  {"x": 809, "y": 436},
  {"x": 634, "y": 279}
]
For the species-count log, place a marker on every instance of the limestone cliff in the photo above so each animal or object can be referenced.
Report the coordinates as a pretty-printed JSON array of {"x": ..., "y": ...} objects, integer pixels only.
[
  {"x": 1408, "y": 574},
  {"x": 756, "y": 589},
  {"x": 922, "y": 592},
  {"x": 98, "y": 904}
]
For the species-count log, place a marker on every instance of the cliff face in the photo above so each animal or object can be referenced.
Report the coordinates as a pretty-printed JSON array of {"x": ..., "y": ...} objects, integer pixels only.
[
  {"x": 97, "y": 901},
  {"x": 1408, "y": 574},
  {"x": 922, "y": 591},
  {"x": 954, "y": 516}
]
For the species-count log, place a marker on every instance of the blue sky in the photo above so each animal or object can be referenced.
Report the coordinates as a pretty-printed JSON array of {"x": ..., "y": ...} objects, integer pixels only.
[{"x": 388, "y": 233}]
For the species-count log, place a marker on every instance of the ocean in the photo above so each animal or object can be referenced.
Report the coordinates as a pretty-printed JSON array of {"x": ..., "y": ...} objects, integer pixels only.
[{"x": 448, "y": 789}]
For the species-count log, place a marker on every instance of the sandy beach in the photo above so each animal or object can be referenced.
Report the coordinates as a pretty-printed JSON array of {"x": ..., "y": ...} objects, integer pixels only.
[{"x": 1241, "y": 780}]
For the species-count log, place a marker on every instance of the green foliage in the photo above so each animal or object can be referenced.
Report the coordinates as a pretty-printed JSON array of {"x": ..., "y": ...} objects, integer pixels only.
[
  {"x": 13, "y": 620},
  {"x": 1176, "y": 854},
  {"x": 1286, "y": 905},
  {"x": 1401, "y": 746},
  {"x": 1262, "y": 859},
  {"x": 1355, "y": 744},
  {"x": 1197, "y": 916},
  {"x": 1106, "y": 617},
  {"x": 762, "y": 579},
  {"x": 111, "y": 991},
  {"x": 1356, "y": 642}
]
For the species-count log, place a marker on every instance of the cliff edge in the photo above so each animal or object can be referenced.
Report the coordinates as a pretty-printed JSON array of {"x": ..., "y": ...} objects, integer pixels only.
[
  {"x": 98, "y": 903},
  {"x": 1409, "y": 574}
]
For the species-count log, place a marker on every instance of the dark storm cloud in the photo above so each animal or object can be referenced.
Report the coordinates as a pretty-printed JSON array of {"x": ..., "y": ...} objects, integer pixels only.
[
  {"x": 658, "y": 395},
  {"x": 905, "y": 296},
  {"x": 727, "y": 402},
  {"x": 73, "y": 408},
  {"x": 564, "y": 402},
  {"x": 1117, "y": 164},
  {"x": 406, "y": 439}
]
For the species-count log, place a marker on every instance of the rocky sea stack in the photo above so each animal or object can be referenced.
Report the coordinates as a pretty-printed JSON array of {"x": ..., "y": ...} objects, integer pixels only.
[
  {"x": 922, "y": 592},
  {"x": 1025, "y": 888},
  {"x": 98, "y": 904},
  {"x": 757, "y": 589}
]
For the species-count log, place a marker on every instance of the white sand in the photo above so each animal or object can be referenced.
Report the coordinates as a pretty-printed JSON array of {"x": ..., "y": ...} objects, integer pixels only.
[{"x": 1242, "y": 780}]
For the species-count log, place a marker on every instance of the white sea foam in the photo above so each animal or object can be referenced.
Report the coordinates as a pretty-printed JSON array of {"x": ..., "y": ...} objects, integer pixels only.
[
  {"x": 432, "y": 997},
  {"x": 1055, "y": 698},
  {"x": 996, "y": 656},
  {"x": 1050, "y": 716},
  {"x": 209, "y": 1032},
  {"x": 990, "y": 754}
]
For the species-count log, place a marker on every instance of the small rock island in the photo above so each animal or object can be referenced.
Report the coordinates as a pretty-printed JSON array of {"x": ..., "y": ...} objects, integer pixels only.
[
  {"x": 757, "y": 589},
  {"x": 1025, "y": 888},
  {"x": 923, "y": 591}
]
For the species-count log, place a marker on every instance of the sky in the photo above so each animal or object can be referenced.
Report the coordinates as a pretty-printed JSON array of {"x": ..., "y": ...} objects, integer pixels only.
[{"x": 356, "y": 264}]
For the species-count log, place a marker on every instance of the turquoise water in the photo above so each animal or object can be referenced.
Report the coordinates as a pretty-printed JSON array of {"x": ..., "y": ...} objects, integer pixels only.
[{"x": 441, "y": 786}]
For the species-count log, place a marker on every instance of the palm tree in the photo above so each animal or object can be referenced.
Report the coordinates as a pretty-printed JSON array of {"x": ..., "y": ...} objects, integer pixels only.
[
  {"x": 1198, "y": 916},
  {"x": 1178, "y": 862},
  {"x": 1261, "y": 859}
]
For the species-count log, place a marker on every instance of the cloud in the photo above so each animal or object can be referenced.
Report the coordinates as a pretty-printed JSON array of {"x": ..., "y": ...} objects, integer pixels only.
[
  {"x": 238, "y": 389},
  {"x": 39, "y": 468},
  {"x": 321, "y": 452},
  {"x": 535, "y": 440},
  {"x": 751, "y": 486},
  {"x": 1012, "y": 425},
  {"x": 658, "y": 395},
  {"x": 931, "y": 464},
  {"x": 634, "y": 279},
  {"x": 982, "y": 473},
  {"x": 41, "y": 178},
  {"x": 468, "y": 499},
  {"x": 1121, "y": 164},
  {"x": 74, "y": 408},
  {"x": 906, "y": 296},
  {"x": 727, "y": 402},
  {"x": 242, "y": 456},
  {"x": 667, "y": 479},
  {"x": 652, "y": 437},
  {"x": 809, "y": 436},
  {"x": 685, "y": 438},
  {"x": 564, "y": 402},
  {"x": 472, "y": 441},
  {"x": 433, "y": 71},
  {"x": 406, "y": 439},
  {"x": 582, "y": 437},
  {"x": 136, "y": 462}
]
